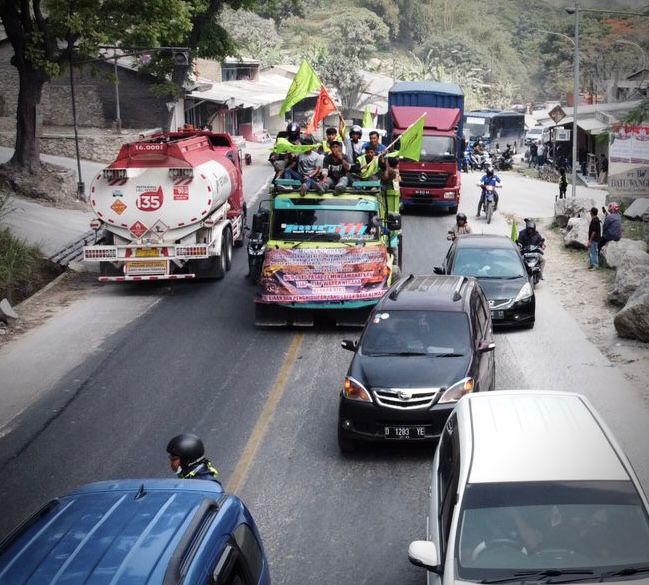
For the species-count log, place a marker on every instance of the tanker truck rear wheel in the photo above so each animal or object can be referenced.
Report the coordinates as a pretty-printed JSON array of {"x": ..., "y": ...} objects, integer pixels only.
[{"x": 228, "y": 249}]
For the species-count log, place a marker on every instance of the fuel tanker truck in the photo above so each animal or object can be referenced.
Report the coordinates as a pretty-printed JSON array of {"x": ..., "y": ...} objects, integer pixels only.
[{"x": 170, "y": 206}]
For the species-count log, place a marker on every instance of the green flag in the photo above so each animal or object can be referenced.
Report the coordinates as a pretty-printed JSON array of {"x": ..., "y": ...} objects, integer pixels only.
[
  {"x": 282, "y": 146},
  {"x": 411, "y": 140},
  {"x": 514, "y": 235},
  {"x": 304, "y": 84},
  {"x": 368, "y": 122}
]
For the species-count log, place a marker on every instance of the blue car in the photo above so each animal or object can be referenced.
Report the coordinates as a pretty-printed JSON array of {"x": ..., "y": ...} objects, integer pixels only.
[{"x": 138, "y": 532}]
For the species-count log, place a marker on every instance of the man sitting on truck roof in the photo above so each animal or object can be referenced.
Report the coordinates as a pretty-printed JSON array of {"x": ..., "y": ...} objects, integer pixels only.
[
  {"x": 309, "y": 166},
  {"x": 374, "y": 141},
  {"x": 353, "y": 144},
  {"x": 364, "y": 165},
  {"x": 331, "y": 135},
  {"x": 335, "y": 168}
]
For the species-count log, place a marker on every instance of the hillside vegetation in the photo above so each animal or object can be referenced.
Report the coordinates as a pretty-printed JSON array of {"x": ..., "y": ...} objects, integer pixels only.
[{"x": 495, "y": 49}]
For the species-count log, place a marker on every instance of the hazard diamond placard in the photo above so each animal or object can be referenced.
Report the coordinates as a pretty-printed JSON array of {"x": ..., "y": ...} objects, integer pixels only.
[
  {"x": 138, "y": 229},
  {"x": 118, "y": 206}
]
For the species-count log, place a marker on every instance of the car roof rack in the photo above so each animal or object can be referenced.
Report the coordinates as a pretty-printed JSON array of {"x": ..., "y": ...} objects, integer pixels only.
[
  {"x": 189, "y": 543},
  {"x": 399, "y": 287},
  {"x": 457, "y": 295}
]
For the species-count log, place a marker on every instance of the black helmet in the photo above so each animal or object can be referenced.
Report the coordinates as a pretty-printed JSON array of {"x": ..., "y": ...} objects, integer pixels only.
[
  {"x": 530, "y": 224},
  {"x": 461, "y": 217},
  {"x": 356, "y": 129},
  {"x": 188, "y": 448},
  {"x": 293, "y": 129},
  {"x": 490, "y": 172}
]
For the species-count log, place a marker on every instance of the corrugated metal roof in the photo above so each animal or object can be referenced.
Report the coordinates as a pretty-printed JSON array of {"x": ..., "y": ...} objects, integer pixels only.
[{"x": 268, "y": 89}]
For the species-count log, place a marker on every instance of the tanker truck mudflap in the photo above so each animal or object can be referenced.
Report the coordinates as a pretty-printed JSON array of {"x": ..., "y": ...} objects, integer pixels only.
[
  {"x": 327, "y": 254},
  {"x": 170, "y": 207}
]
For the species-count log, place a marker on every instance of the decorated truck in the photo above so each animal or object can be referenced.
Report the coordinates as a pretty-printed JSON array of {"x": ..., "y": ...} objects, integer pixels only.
[
  {"x": 324, "y": 253},
  {"x": 170, "y": 206}
]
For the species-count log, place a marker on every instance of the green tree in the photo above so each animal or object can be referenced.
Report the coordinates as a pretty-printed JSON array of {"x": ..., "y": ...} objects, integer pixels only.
[
  {"x": 46, "y": 35},
  {"x": 256, "y": 36}
]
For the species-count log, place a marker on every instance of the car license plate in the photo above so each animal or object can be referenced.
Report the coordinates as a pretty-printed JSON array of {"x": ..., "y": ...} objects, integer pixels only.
[
  {"x": 147, "y": 252},
  {"x": 497, "y": 314},
  {"x": 410, "y": 432}
]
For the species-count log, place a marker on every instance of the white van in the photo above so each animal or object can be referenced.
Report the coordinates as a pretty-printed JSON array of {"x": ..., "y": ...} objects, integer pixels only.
[
  {"x": 532, "y": 486},
  {"x": 534, "y": 134}
]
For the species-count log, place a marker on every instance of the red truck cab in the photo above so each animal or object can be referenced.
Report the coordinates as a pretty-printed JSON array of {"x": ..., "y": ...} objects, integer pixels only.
[{"x": 434, "y": 180}]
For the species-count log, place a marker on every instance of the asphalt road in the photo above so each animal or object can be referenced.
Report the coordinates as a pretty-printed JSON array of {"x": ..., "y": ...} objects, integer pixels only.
[{"x": 266, "y": 404}]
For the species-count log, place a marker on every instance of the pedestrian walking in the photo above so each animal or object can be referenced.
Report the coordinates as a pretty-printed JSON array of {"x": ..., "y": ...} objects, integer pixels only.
[
  {"x": 534, "y": 151},
  {"x": 540, "y": 152},
  {"x": 594, "y": 235},
  {"x": 563, "y": 183},
  {"x": 603, "y": 170}
]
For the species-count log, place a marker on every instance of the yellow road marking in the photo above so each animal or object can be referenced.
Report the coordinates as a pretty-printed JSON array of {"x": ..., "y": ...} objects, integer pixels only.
[{"x": 241, "y": 471}]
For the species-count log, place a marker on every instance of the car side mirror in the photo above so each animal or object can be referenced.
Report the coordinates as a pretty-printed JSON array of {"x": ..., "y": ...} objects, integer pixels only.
[
  {"x": 394, "y": 222},
  {"x": 423, "y": 553},
  {"x": 349, "y": 344},
  {"x": 259, "y": 221},
  {"x": 438, "y": 270},
  {"x": 486, "y": 346}
]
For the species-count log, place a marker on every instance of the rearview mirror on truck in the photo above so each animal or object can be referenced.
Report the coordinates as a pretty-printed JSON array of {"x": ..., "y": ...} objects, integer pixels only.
[{"x": 394, "y": 222}]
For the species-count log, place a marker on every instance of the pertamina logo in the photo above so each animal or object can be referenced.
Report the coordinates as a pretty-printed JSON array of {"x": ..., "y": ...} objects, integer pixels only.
[{"x": 150, "y": 200}]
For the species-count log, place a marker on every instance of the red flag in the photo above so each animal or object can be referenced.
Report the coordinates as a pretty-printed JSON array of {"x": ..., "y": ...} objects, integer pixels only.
[{"x": 323, "y": 107}]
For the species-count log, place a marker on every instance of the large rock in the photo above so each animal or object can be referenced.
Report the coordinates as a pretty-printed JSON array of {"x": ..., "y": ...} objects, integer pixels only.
[
  {"x": 638, "y": 208},
  {"x": 569, "y": 207},
  {"x": 633, "y": 251},
  {"x": 577, "y": 236},
  {"x": 628, "y": 277},
  {"x": 633, "y": 320}
]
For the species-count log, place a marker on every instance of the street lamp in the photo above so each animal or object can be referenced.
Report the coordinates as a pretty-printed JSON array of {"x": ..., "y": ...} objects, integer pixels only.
[{"x": 577, "y": 10}]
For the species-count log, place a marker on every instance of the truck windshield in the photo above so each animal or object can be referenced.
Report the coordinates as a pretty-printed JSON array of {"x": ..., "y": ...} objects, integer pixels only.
[
  {"x": 324, "y": 225},
  {"x": 438, "y": 148}
]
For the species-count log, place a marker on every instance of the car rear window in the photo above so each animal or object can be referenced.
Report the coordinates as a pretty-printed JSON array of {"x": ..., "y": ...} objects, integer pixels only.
[
  {"x": 502, "y": 263},
  {"x": 531, "y": 526},
  {"x": 431, "y": 333}
]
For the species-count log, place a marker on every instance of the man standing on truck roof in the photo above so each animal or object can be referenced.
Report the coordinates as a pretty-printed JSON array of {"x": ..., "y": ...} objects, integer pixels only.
[
  {"x": 353, "y": 144},
  {"x": 374, "y": 141},
  {"x": 187, "y": 458},
  {"x": 331, "y": 135},
  {"x": 335, "y": 168}
]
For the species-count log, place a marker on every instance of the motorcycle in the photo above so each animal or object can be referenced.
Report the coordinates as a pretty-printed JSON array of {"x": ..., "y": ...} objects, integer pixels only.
[
  {"x": 256, "y": 249},
  {"x": 466, "y": 160},
  {"x": 532, "y": 256},
  {"x": 489, "y": 200},
  {"x": 505, "y": 161}
]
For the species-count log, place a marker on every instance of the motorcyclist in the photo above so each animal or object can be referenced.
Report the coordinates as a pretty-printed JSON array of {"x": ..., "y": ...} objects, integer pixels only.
[
  {"x": 488, "y": 179},
  {"x": 460, "y": 228},
  {"x": 187, "y": 458},
  {"x": 612, "y": 226},
  {"x": 528, "y": 236}
]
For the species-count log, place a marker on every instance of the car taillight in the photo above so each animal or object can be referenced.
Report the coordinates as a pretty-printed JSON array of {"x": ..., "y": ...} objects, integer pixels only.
[{"x": 354, "y": 390}]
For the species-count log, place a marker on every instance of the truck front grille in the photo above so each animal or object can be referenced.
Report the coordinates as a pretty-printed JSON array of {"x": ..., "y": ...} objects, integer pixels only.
[{"x": 424, "y": 179}]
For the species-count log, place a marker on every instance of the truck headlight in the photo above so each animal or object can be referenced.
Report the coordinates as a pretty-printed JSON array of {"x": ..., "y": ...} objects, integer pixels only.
[
  {"x": 525, "y": 293},
  {"x": 354, "y": 390},
  {"x": 457, "y": 390}
]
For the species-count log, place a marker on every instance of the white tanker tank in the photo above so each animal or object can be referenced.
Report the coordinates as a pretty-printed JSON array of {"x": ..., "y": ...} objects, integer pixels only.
[{"x": 170, "y": 206}]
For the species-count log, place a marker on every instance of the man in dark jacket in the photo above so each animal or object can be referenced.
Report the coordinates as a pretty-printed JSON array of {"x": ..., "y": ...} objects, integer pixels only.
[
  {"x": 528, "y": 236},
  {"x": 594, "y": 235},
  {"x": 612, "y": 227},
  {"x": 187, "y": 458}
]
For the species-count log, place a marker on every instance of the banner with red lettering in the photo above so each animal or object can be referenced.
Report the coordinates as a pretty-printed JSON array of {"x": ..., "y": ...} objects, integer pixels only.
[{"x": 306, "y": 275}]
